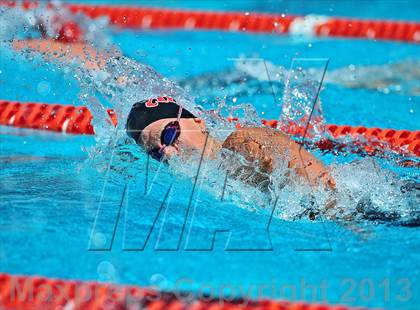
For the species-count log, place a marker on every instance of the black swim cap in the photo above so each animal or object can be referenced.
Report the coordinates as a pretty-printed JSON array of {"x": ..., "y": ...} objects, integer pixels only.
[{"x": 145, "y": 112}]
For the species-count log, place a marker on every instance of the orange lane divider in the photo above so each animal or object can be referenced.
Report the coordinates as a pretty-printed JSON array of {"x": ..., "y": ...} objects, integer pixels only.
[
  {"x": 141, "y": 17},
  {"x": 132, "y": 17},
  {"x": 23, "y": 292},
  {"x": 372, "y": 29},
  {"x": 77, "y": 120},
  {"x": 317, "y": 25}
]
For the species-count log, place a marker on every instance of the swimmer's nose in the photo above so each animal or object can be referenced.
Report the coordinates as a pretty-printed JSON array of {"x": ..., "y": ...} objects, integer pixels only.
[{"x": 170, "y": 151}]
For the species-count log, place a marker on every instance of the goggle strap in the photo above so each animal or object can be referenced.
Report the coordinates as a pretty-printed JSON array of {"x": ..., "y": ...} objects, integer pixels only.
[{"x": 179, "y": 113}]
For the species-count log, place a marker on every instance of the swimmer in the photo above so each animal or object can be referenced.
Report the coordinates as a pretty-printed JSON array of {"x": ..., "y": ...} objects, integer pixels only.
[{"x": 164, "y": 129}]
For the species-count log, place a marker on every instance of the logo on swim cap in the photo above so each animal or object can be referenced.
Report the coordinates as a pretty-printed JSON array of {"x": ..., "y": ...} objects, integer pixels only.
[{"x": 154, "y": 102}]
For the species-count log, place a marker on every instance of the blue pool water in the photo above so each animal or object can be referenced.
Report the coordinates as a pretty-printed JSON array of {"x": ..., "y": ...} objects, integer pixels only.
[{"x": 52, "y": 192}]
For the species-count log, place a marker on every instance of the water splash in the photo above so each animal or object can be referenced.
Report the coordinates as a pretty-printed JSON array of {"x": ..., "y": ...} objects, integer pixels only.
[
  {"x": 301, "y": 102},
  {"x": 13, "y": 23},
  {"x": 367, "y": 191},
  {"x": 17, "y": 23}
]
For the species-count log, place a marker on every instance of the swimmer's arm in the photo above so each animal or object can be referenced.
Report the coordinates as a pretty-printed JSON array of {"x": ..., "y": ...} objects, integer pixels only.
[
  {"x": 264, "y": 145},
  {"x": 308, "y": 166},
  {"x": 51, "y": 49}
]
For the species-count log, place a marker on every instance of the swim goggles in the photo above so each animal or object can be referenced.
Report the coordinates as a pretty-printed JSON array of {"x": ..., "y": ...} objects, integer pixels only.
[{"x": 168, "y": 137}]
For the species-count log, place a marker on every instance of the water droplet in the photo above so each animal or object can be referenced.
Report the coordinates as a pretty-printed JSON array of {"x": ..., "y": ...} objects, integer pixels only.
[
  {"x": 106, "y": 271},
  {"x": 98, "y": 240},
  {"x": 158, "y": 280},
  {"x": 43, "y": 88}
]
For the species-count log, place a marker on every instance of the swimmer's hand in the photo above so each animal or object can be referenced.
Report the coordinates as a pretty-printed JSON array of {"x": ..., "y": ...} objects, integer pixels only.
[{"x": 51, "y": 49}]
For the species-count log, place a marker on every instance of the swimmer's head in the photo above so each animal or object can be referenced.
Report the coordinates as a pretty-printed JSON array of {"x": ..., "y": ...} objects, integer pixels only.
[
  {"x": 158, "y": 125},
  {"x": 149, "y": 111}
]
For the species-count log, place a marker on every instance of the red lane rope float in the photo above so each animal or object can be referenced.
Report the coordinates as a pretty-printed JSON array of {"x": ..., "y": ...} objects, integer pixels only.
[
  {"x": 23, "y": 292},
  {"x": 159, "y": 18},
  {"x": 131, "y": 17},
  {"x": 383, "y": 30},
  {"x": 77, "y": 120}
]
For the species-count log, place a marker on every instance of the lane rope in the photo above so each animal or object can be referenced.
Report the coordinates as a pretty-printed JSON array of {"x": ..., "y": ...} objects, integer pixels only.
[
  {"x": 32, "y": 292},
  {"x": 78, "y": 120},
  {"x": 312, "y": 25}
]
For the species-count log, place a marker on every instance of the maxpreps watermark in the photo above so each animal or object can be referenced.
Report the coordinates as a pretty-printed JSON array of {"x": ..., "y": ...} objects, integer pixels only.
[{"x": 344, "y": 291}]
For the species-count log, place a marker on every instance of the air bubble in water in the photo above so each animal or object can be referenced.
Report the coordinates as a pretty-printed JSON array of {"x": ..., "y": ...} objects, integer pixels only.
[
  {"x": 43, "y": 88},
  {"x": 98, "y": 240},
  {"x": 159, "y": 281},
  {"x": 106, "y": 271}
]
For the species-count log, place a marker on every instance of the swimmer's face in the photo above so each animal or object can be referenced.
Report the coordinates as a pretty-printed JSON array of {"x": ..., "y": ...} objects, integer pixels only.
[{"x": 192, "y": 137}]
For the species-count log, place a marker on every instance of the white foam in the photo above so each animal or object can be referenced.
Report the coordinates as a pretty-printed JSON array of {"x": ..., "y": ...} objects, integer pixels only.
[
  {"x": 307, "y": 25},
  {"x": 65, "y": 125},
  {"x": 12, "y": 120}
]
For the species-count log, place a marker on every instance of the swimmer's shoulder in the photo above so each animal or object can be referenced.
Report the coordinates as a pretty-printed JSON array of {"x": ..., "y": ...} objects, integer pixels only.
[{"x": 256, "y": 134}]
